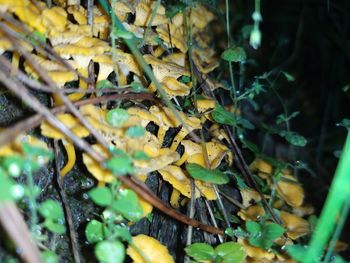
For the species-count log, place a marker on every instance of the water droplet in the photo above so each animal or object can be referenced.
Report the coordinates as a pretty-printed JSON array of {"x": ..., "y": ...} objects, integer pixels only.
[
  {"x": 85, "y": 196},
  {"x": 17, "y": 191}
]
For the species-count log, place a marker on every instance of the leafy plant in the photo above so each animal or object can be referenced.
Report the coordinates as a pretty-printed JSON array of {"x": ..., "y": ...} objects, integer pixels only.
[{"x": 229, "y": 252}]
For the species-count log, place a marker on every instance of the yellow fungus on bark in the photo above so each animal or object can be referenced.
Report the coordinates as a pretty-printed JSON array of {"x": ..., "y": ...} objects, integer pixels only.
[{"x": 150, "y": 248}]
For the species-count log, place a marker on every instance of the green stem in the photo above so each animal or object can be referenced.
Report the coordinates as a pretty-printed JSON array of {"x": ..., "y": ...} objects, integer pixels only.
[
  {"x": 234, "y": 97},
  {"x": 337, "y": 232},
  {"x": 32, "y": 201},
  {"x": 337, "y": 197}
]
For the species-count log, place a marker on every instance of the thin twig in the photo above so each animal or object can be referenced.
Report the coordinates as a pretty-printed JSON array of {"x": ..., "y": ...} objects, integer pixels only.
[
  {"x": 15, "y": 226},
  {"x": 90, "y": 14},
  {"x": 233, "y": 201},
  {"x": 247, "y": 174},
  {"x": 191, "y": 215},
  {"x": 69, "y": 218},
  {"x": 213, "y": 220}
]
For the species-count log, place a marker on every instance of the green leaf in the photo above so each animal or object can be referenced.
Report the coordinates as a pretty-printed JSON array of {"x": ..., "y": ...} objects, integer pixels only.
[
  {"x": 137, "y": 87},
  {"x": 94, "y": 231},
  {"x": 346, "y": 88},
  {"x": 122, "y": 233},
  {"x": 117, "y": 117},
  {"x": 263, "y": 235},
  {"x": 236, "y": 54},
  {"x": 101, "y": 196},
  {"x": 222, "y": 116},
  {"x": 120, "y": 164},
  {"x": 110, "y": 252},
  {"x": 49, "y": 257},
  {"x": 200, "y": 251},
  {"x": 288, "y": 76},
  {"x": 6, "y": 186},
  {"x": 231, "y": 252},
  {"x": 104, "y": 84},
  {"x": 345, "y": 123},
  {"x": 245, "y": 123},
  {"x": 141, "y": 155},
  {"x": 185, "y": 79},
  {"x": 128, "y": 205},
  {"x": 51, "y": 209},
  {"x": 135, "y": 131},
  {"x": 293, "y": 138},
  {"x": 54, "y": 226},
  {"x": 210, "y": 176},
  {"x": 14, "y": 165}
]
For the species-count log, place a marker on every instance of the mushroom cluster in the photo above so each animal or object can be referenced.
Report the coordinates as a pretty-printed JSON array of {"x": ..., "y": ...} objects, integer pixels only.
[{"x": 166, "y": 137}]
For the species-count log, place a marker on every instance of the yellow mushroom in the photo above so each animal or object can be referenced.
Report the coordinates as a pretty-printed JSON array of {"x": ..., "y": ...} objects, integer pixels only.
[
  {"x": 201, "y": 17},
  {"x": 180, "y": 181},
  {"x": 74, "y": 125},
  {"x": 204, "y": 60},
  {"x": 290, "y": 191},
  {"x": 256, "y": 253},
  {"x": 105, "y": 66},
  {"x": 249, "y": 197},
  {"x": 57, "y": 72},
  {"x": 216, "y": 152},
  {"x": 175, "y": 29},
  {"x": 173, "y": 87},
  {"x": 252, "y": 213},
  {"x": 144, "y": 11},
  {"x": 82, "y": 52},
  {"x": 150, "y": 248},
  {"x": 122, "y": 8},
  {"x": 296, "y": 226},
  {"x": 54, "y": 20},
  {"x": 71, "y": 35},
  {"x": 166, "y": 119},
  {"x": 306, "y": 209},
  {"x": 163, "y": 69},
  {"x": 100, "y": 24}
]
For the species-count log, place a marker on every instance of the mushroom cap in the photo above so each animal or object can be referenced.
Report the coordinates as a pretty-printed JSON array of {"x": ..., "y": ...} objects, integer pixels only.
[
  {"x": 54, "y": 19},
  {"x": 151, "y": 248},
  {"x": 96, "y": 170},
  {"x": 296, "y": 226},
  {"x": 173, "y": 87},
  {"x": 290, "y": 191},
  {"x": 163, "y": 69},
  {"x": 72, "y": 34},
  {"x": 252, "y": 213},
  {"x": 249, "y": 195},
  {"x": 86, "y": 46},
  {"x": 68, "y": 120},
  {"x": 256, "y": 253},
  {"x": 178, "y": 179},
  {"x": 144, "y": 11},
  {"x": 127, "y": 63}
]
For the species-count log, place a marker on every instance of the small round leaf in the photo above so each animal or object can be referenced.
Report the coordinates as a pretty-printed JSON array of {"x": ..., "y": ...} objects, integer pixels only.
[{"x": 110, "y": 252}]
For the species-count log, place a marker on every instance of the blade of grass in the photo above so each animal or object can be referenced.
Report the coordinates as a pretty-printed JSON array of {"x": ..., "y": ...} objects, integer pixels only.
[{"x": 336, "y": 199}]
